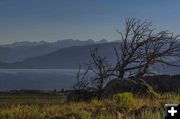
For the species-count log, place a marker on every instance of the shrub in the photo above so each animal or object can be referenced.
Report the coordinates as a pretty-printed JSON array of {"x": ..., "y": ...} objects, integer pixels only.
[{"x": 125, "y": 102}]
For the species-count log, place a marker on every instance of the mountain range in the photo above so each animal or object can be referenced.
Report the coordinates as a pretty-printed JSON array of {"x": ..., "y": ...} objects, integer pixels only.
[
  {"x": 19, "y": 51},
  {"x": 69, "y": 57}
]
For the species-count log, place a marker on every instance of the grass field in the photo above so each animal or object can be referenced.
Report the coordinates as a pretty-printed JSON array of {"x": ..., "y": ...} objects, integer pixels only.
[
  {"x": 31, "y": 98},
  {"x": 54, "y": 106}
]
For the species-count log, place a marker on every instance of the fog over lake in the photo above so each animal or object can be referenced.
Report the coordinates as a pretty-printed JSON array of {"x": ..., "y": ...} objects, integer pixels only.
[{"x": 37, "y": 79}]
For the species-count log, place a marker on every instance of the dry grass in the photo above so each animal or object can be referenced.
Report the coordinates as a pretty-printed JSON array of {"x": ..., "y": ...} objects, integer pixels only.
[{"x": 104, "y": 109}]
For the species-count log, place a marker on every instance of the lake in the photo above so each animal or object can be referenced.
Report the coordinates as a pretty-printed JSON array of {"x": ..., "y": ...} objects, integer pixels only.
[
  {"x": 37, "y": 79},
  {"x": 46, "y": 79}
]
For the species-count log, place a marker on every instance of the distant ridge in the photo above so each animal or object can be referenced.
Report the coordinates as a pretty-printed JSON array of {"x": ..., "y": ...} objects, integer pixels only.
[
  {"x": 69, "y": 57},
  {"x": 19, "y": 51}
]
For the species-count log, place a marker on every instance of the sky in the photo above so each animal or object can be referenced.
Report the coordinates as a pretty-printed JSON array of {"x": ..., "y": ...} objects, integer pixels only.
[{"x": 51, "y": 20}]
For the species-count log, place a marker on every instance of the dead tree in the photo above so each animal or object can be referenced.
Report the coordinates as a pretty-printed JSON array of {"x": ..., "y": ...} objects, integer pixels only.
[
  {"x": 158, "y": 51},
  {"x": 135, "y": 36},
  {"x": 100, "y": 69},
  {"x": 141, "y": 48},
  {"x": 81, "y": 90},
  {"x": 82, "y": 78}
]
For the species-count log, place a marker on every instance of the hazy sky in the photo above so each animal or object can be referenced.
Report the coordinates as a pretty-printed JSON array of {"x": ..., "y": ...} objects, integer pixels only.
[{"x": 50, "y": 20}]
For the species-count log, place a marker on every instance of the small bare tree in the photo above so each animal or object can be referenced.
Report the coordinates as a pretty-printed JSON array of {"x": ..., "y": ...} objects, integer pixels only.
[
  {"x": 100, "y": 70},
  {"x": 82, "y": 78},
  {"x": 82, "y": 86},
  {"x": 93, "y": 75}
]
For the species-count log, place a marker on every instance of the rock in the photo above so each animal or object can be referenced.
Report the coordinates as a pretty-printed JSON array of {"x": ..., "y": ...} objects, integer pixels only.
[
  {"x": 117, "y": 86},
  {"x": 135, "y": 86}
]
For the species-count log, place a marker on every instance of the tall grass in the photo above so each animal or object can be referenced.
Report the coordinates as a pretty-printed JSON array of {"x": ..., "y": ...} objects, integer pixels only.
[{"x": 146, "y": 108}]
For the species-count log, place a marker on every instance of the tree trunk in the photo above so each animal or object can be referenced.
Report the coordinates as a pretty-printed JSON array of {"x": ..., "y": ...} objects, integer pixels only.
[{"x": 146, "y": 88}]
